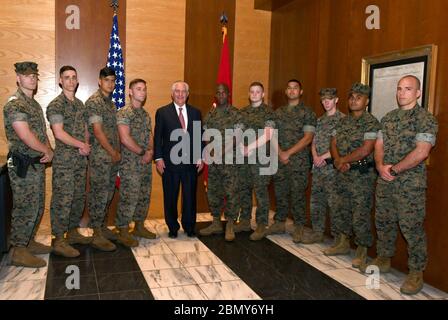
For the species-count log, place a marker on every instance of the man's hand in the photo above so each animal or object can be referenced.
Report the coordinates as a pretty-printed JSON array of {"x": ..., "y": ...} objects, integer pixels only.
[
  {"x": 147, "y": 158},
  {"x": 283, "y": 156},
  {"x": 116, "y": 156},
  {"x": 160, "y": 165},
  {"x": 200, "y": 165},
  {"x": 384, "y": 172},
  {"x": 48, "y": 156},
  {"x": 345, "y": 167},
  {"x": 341, "y": 166},
  {"x": 84, "y": 150},
  {"x": 319, "y": 161}
]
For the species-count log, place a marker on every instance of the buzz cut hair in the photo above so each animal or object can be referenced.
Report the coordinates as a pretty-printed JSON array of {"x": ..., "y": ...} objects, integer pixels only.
[
  {"x": 296, "y": 81},
  {"x": 135, "y": 81},
  {"x": 419, "y": 83},
  {"x": 106, "y": 72},
  {"x": 66, "y": 68},
  {"x": 257, "y": 84}
]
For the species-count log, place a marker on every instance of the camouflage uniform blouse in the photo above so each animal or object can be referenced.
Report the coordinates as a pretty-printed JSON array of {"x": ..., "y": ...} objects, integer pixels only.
[
  {"x": 351, "y": 133},
  {"x": 72, "y": 115},
  {"x": 101, "y": 109},
  {"x": 139, "y": 122},
  {"x": 293, "y": 122},
  {"x": 400, "y": 131},
  {"x": 22, "y": 108}
]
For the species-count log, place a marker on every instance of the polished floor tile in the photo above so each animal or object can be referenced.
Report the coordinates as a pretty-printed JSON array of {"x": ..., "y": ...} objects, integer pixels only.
[
  {"x": 158, "y": 262},
  {"x": 121, "y": 282},
  {"x": 189, "y": 292},
  {"x": 192, "y": 259},
  {"x": 229, "y": 290},
  {"x": 22, "y": 290},
  {"x": 127, "y": 295},
  {"x": 212, "y": 273},
  {"x": 168, "y": 278}
]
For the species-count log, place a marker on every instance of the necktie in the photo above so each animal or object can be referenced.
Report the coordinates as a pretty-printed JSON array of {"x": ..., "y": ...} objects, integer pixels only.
[{"x": 181, "y": 118}]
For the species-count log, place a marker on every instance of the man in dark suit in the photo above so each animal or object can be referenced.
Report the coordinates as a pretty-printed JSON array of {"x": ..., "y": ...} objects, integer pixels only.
[{"x": 178, "y": 148}]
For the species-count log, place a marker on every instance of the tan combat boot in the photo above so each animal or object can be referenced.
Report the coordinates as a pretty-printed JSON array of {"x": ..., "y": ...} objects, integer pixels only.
[
  {"x": 62, "y": 248},
  {"x": 214, "y": 228},
  {"x": 109, "y": 234},
  {"x": 278, "y": 227},
  {"x": 21, "y": 257},
  {"x": 382, "y": 263},
  {"x": 125, "y": 238},
  {"x": 313, "y": 237},
  {"x": 74, "y": 237},
  {"x": 413, "y": 283},
  {"x": 100, "y": 242},
  {"x": 141, "y": 231},
  {"x": 259, "y": 233},
  {"x": 242, "y": 225},
  {"x": 38, "y": 248},
  {"x": 342, "y": 247},
  {"x": 297, "y": 235},
  {"x": 230, "y": 234},
  {"x": 360, "y": 257}
]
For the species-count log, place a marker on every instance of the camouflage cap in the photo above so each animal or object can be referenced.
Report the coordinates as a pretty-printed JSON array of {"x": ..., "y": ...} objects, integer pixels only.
[
  {"x": 26, "y": 68},
  {"x": 360, "y": 88},
  {"x": 328, "y": 93}
]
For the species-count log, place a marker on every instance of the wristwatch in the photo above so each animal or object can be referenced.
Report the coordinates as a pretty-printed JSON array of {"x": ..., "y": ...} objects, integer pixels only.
[
  {"x": 142, "y": 153},
  {"x": 393, "y": 173}
]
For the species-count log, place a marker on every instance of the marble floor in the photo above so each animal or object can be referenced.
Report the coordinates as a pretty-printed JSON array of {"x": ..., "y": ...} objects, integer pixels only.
[{"x": 202, "y": 269}]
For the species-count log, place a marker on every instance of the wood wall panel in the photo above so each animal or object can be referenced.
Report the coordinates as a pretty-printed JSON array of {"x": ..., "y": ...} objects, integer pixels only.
[
  {"x": 155, "y": 52},
  {"x": 252, "y": 50},
  {"x": 27, "y": 32},
  {"x": 86, "y": 49},
  {"x": 203, "y": 42},
  {"x": 323, "y": 41}
]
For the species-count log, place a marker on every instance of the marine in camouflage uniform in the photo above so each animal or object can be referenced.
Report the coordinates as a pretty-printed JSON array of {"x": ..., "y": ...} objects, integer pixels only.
[
  {"x": 66, "y": 115},
  {"x": 103, "y": 169},
  {"x": 135, "y": 168},
  {"x": 406, "y": 133},
  {"x": 352, "y": 150},
  {"x": 29, "y": 191},
  {"x": 223, "y": 176},
  {"x": 323, "y": 193},
  {"x": 296, "y": 126},
  {"x": 256, "y": 116}
]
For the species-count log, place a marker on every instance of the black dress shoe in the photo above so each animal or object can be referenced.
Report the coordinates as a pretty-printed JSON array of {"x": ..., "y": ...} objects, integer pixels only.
[
  {"x": 191, "y": 234},
  {"x": 172, "y": 234}
]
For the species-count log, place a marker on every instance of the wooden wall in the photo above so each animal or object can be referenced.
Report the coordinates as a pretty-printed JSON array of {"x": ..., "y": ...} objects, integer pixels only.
[
  {"x": 155, "y": 52},
  {"x": 86, "y": 48},
  {"x": 252, "y": 50},
  {"x": 322, "y": 43},
  {"x": 27, "y": 32}
]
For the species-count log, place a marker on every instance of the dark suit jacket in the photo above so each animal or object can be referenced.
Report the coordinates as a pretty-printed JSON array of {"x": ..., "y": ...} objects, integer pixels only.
[{"x": 167, "y": 121}]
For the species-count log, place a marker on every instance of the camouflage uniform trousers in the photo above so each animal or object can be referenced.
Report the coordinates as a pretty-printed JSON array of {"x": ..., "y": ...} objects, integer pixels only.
[
  {"x": 290, "y": 184},
  {"x": 135, "y": 193},
  {"x": 250, "y": 180},
  {"x": 68, "y": 195},
  {"x": 28, "y": 203},
  {"x": 402, "y": 204},
  {"x": 102, "y": 187},
  {"x": 354, "y": 205},
  {"x": 223, "y": 183},
  {"x": 323, "y": 197}
]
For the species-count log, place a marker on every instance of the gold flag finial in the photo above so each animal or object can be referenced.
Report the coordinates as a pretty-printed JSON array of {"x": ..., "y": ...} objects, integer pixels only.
[{"x": 114, "y": 4}]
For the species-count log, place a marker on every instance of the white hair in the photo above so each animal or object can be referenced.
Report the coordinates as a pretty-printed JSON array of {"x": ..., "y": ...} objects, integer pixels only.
[{"x": 180, "y": 82}]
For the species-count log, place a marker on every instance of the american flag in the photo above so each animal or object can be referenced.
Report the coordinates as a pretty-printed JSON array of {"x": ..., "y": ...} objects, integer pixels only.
[{"x": 115, "y": 61}]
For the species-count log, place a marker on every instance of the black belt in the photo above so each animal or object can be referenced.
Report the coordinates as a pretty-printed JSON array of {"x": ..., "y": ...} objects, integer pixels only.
[{"x": 362, "y": 166}]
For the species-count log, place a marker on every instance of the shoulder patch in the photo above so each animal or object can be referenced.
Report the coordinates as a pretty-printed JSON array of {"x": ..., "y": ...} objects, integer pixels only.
[{"x": 12, "y": 98}]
